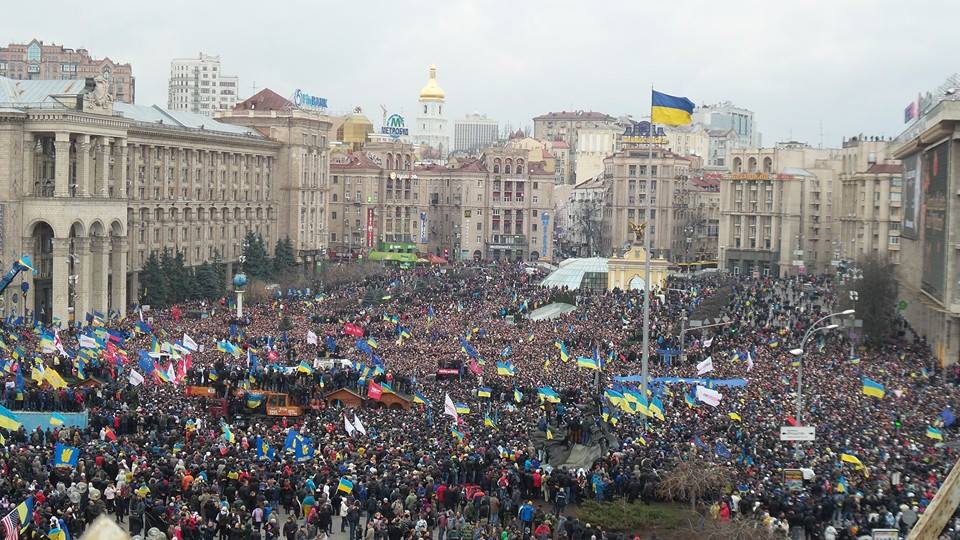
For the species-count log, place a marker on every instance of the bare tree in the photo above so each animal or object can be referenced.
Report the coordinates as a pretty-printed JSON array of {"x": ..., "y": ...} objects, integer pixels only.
[
  {"x": 741, "y": 529},
  {"x": 588, "y": 226},
  {"x": 692, "y": 479}
]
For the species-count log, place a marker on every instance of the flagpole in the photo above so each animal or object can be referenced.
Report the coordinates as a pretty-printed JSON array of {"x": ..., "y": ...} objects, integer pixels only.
[{"x": 645, "y": 359}]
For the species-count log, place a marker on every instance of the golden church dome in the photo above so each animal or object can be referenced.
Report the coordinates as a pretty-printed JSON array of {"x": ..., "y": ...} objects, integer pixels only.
[{"x": 432, "y": 91}]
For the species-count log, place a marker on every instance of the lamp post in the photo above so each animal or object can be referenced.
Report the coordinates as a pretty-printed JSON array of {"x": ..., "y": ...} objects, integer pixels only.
[
  {"x": 799, "y": 354},
  {"x": 683, "y": 333}
]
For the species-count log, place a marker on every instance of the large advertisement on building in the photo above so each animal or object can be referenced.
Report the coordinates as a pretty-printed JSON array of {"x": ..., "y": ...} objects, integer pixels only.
[
  {"x": 370, "y": 227},
  {"x": 911, "y": 197},
  {"x": 934, "y": 178}
]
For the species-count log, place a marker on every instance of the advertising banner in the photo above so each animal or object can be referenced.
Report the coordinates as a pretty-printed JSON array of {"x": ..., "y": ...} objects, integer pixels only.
[
  {"x": 911, "y": 196},
  {"x": 934, "y": 185},
  {"x": 423, "y": 227},
  {"x": 370, "y": 222}
]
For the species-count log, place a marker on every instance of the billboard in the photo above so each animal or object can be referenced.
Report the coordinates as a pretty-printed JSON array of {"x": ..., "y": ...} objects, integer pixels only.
[
  {"x": 370, "y": 227},
  {"x": 934, "y": 179},
  {"x": 911, "y": 196}
]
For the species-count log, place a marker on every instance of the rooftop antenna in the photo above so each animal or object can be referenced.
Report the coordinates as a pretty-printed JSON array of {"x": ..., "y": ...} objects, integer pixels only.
[
  {"x": 383, "y": 110},
  {"x": 821, "y": 135},
  {"x": 253, "y": 88}
]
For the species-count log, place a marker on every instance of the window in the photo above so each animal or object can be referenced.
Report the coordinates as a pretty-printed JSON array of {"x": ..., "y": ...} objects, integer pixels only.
[
  {"x": 479, "y": 226},
  {"x": 33, "y": 53},
  {"x": 894, "y": 240},
  {"x": 632, "y": 170}
]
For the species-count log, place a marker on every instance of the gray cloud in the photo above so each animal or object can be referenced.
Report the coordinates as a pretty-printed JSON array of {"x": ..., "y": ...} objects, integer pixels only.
[{"x": 852, "y": 65}]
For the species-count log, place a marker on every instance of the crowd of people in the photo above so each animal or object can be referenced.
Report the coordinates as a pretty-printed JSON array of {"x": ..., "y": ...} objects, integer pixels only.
[{"x": 160, "y": 460}]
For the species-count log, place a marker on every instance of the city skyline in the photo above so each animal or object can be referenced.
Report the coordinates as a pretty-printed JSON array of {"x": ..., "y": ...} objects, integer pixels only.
[{"x": 792, "y": 68}]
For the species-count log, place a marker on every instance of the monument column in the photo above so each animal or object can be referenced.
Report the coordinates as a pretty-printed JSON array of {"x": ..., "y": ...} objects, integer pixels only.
[
  {"x": 59, "y": 277},
  {"x": 61, "y": 176}
]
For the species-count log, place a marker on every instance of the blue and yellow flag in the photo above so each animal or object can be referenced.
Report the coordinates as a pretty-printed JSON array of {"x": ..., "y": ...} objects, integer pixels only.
[
  {"x": 57, "y": 419},
  {"x": 670, "y": 110},
  {"x": 562, "y": 347},
  {"x": 488, "y": 421},
  {"x": 264, "y": 451},
  {"x": 873, "y": 388},
  {"x": 934, "y": 433},
  {"x": 484, "y": 391},
  {"x": 304, "y": 367},
  {"x": 8, "y": 420},
  {"x": 227, "y": 433},
  {"x": 517, "y": 395},
  {"x": 548, "y": 394},
  {"x": 345, "y": 485},
  {"x": 587, "y": 363},
  {"x": 65, "y": 456},
  {"x": 420, "y": 398},
  {"x": 457, "y": 433},
  {"x": 462, "y": 408},
  {"x": 656, "y": 409},
  {"x": 254, "y": 400},
  {"x": 506, "y": 369}
]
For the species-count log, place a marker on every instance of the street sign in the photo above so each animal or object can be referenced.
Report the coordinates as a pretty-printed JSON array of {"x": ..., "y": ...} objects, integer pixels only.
[
  {"x": 885, "y": 534},
  {"x": 798, "y": 433}
]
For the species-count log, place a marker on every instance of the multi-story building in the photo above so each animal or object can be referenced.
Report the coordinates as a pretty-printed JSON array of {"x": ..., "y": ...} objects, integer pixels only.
[
  {"x": 726, "y": 116},
  {"x": 719, "y": 144},
  {"x": 580, "y": 219},
  {"x": 692, "y": 140},
  {"x": 566, "y": 126},
  {"x": 870, "y": 214},
  {"x": 777, "y": 210},
  {"x": 497, "y": 207},
  {"x": 929, "y": 269},
  {"x": 38, "y": 61},
  {"x": 304, "y": 161},
  {"x": 594, "y": 144},
  {"x": 90, "y": 188},
  {"x": 431, "y": 129},
  {"x": 696, "y": 229},
  {"x": 474, "y": 132},
  {"x": 199, "y": 86},
  {"x": 627, "y": 176}
]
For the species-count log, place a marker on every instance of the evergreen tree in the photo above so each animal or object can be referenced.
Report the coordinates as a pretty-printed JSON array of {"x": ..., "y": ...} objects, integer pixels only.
[
  {"x": 284, "y": 260},
  {"x": 256, "y": 262},
  {"x": 874, "y": 296},
  {"x": 205, "y": 278},
  {"x": 153, "y": 283}
]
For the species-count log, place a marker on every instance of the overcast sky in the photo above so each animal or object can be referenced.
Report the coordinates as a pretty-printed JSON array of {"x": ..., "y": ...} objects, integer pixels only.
[{"x": 852, "y": 65}]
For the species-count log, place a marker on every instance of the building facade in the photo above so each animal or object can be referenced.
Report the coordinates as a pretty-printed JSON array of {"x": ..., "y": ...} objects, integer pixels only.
[
  {"x": 499, "y": 206},
  {"x": 38, "y": 61},
  {"x": 871, "y": 213},
  {"x": 777, "y": 210},
  {"x": 91, "y": 188},
  {"x": 929, "y": 269},
  {"x": 198, "y": 85},
  {"x": 630, "y": 184},
  {"x": 725, "y": 116},
  {"x": 594, "y": 144},
  {"x": 303, "y": 164},
  {"x": 431, "y": 129},
  {"x": 565, "y": 126},
  {"x": 474, "y": 132}
]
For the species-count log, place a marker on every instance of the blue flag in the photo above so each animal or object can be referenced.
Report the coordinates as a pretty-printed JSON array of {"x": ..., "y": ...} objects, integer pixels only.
[
  {"x": 65, "y": 456},
  {"x": 331, "y": 344},
  {"x": 722, "y": 451},
  {"x": 947, "y": 416}
]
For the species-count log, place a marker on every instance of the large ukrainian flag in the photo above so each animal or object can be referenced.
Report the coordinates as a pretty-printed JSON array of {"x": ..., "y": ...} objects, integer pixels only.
[{"x": 670, "y": 110}]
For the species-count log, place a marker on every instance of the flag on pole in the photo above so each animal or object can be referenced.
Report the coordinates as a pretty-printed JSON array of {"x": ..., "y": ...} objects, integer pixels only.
[
  {"x": 356, "y": 424},
  {"x": 670, "y": 110},
  {"x": 450, "y": 408},
  {"x": 706, "y": 366}
]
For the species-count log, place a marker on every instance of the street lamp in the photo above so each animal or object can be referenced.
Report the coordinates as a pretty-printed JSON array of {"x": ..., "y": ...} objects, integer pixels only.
[{"x": 799, "y": 354}]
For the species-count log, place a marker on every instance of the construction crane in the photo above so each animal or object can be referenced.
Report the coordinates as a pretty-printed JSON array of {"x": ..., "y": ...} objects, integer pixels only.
[{"x": 21, "y": 264}]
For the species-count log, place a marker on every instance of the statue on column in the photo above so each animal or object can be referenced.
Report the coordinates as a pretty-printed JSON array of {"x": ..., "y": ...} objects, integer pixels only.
[{"x": 638, "y": 231}]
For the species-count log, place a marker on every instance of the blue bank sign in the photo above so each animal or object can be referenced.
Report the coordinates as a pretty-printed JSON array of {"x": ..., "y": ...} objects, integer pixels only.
[
  {"x": 306, "y": 101},
  {"x": 395, "y": 127}
]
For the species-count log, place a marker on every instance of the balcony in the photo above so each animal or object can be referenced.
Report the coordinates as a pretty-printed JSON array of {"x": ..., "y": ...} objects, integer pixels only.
[{"x": 506, "y": 241}]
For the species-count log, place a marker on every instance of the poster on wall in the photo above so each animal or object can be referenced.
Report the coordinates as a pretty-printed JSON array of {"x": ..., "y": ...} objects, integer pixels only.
[
  {"x": 934, "y": 178},
  {"x": 911, "y": 197}
]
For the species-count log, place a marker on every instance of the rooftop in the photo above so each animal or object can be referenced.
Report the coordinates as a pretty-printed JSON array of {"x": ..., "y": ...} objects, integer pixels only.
[
  {"x": 264, "y": 100},
  {"x": 184, "y": 119},
  {"x": 575, "y": 115},
  {"x": 885, "y": 168}
]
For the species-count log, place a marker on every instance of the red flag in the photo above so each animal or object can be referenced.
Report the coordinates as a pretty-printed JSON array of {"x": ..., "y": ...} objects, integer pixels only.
[
  {"x": 374, "y": 391},
  {"x": 352, "y": 330},
  {"x": 475, "y": 368},
  {"x": 791, "y": 420},
  {"x": 111, "y": 436}
]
